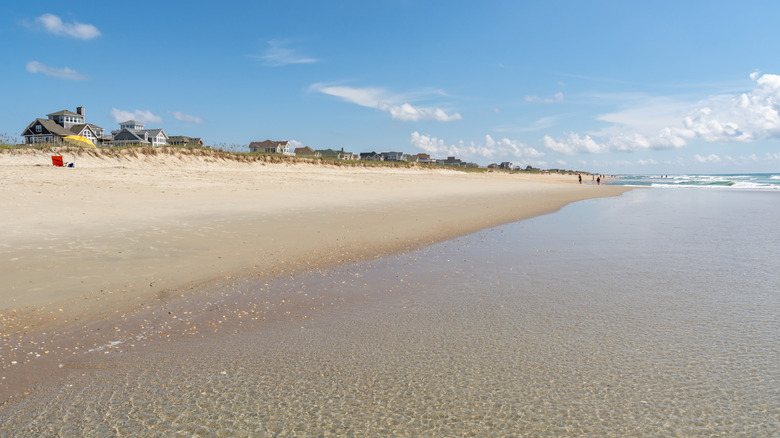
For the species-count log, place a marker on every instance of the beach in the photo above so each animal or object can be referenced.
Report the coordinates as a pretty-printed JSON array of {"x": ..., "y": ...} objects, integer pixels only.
[
  {"x": 650, "y": 313},
  {"x": 100, "y": 241}
]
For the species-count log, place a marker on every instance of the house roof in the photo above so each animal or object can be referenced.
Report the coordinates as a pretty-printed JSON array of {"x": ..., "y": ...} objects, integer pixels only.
[
  {"x": 184, "y": 140},
  {"x": 132, "y": 123},
  {"x": 268, "y": 143},
  {"x": 64, "y": 113},
  {"x": 79, "y": 128},
  {"x": 50, "y": 125},
  {"x": 304, "y": 151},
  {"x": 94, "y": 126},
  {"x": 155, "y": 132},
  {"x": 129, "y": 135},
  {"x": 332, "y": 153}
]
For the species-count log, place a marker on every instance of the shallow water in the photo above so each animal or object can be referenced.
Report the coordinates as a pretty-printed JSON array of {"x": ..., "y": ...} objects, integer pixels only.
[{"x": 656, "y": 313}]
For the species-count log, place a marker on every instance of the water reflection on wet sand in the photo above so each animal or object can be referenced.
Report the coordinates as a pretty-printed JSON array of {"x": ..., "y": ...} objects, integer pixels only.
[{"x": 551, "y": 326}]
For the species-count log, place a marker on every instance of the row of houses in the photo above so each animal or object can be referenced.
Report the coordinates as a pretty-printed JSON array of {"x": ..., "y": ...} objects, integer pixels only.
[
  {"x": 61, "y": 124},
  {"x": 284, "y": 148},
  {"x": 419, "y": 158}
]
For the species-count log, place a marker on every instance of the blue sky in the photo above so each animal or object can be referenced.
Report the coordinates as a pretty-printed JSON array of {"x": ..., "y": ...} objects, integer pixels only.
[{"x": 604, "y": 86}]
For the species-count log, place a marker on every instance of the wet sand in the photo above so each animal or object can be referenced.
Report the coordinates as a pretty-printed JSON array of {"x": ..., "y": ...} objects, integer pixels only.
[
  {"x": 610, "y": 317},
  {"x": 85, "y": 248}
]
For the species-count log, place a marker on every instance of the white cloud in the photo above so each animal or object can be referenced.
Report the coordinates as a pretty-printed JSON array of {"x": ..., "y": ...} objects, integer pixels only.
[
  {"x": 279, "y": 55},
  {"x": 54, "y": 24},
  {"x": 137, "y": 115},
  {"x": 384, "y": 101},
  {"x": 408, "y": 113},
  {"x": 711, "y": 158},
  {"x": 558, "y": 97},
  {"x": 663, "y": 123},
  {"x": 368, "y": 97},
  {"x": 490, "y": 149},
  {"x": 64, "y": 73},
  {"x": 574, "y": 144},
  {"x": 296, "y": 144},
  {"x": 186, "y": 117}
]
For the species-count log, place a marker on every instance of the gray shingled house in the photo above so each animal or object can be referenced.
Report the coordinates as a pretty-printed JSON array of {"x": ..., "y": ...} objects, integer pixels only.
[
  {"x": 133, "y": 133},
  {"x": 59, "y": 125}
]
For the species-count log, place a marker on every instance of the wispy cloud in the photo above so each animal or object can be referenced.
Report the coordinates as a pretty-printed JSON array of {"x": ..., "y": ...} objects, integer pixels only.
[
  {"x": 488, "y": 149},
  {"x": 63, "y": 73},
  {"x": 558, "y": 97},
  {"x": 667, "y": 124},
  {"x": 537, "y": 125},
  {"x": 137, "y": 115},
  {"x": 390, "y": 103},
  {"x": 186, "y": 117},
  {"x": 278, "y": 54},
  {"x": 55, "y": 25}
]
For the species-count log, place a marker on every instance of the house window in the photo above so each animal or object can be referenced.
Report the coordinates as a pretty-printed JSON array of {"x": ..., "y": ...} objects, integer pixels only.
[{"x": 38, "y": 129}]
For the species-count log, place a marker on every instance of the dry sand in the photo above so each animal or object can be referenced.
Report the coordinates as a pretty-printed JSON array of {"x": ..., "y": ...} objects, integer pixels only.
[{"x": 115, "y": 231}]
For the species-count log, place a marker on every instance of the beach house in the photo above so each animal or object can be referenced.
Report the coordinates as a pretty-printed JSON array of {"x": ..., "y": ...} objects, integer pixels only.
[
  {"x": 181, "y": 140},
  {"x": 307, "y": 151},
  {"x": 340, "y": 155},
  {"x": 419, "y": 158},
  {"x": 132, "y": 132},
  {"x": 371, "y": 156},
  {"x": 61, "y": 124},
  {"x": 393, "y": 156},
  {"x": 270, "y": 147}
]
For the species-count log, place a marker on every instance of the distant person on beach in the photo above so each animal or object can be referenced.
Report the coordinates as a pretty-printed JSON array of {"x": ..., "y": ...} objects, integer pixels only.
[
  {"x": 579, "y": 177},
  {"x": 598, "y": 180}
]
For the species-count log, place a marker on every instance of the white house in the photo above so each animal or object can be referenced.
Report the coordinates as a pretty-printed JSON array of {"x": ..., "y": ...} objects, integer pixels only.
[
  {"x": 132, "y": 132},
  {"x": 271, "y": 147}
]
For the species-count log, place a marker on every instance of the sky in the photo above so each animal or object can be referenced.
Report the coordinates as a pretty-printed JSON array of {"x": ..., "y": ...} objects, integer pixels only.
[{"x": 661, "y": 87}]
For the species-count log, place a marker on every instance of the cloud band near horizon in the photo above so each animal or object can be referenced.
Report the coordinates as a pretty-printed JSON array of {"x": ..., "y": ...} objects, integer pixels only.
[{"x": 742, "y": 118}]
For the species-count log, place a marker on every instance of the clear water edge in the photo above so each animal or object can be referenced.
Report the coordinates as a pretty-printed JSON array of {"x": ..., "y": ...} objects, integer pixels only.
[{"x": 655, "y": 313}]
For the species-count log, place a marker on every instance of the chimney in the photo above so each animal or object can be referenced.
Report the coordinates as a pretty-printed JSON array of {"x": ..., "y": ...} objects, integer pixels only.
[{"x": 80, "y": 111}]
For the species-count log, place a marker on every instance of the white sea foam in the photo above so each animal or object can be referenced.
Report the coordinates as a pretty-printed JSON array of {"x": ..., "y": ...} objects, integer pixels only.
[
  {"x": 755, "y": 186},
  {"x": 104, "y": 346},
  {"x": 750, "y": 182}
]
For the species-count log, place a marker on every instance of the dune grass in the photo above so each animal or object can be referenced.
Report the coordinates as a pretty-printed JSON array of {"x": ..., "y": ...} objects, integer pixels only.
[{"x": 129, "y": 152}]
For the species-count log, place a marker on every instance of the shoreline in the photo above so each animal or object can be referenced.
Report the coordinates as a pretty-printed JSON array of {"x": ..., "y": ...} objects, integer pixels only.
[{"x": 87, "y": 245}]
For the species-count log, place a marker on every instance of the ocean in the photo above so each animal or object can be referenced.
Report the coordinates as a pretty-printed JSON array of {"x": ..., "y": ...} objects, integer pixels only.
[
  {"x": 745, "y": 181},
  {"x": 655, "y": 313}
]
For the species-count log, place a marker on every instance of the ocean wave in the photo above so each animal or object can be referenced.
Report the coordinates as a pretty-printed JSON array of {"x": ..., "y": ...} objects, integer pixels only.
[{"x": 725, "y": 185}]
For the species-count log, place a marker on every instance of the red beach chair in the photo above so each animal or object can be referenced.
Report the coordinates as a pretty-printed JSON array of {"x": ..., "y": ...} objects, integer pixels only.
[{"x": 57, "y": 160}]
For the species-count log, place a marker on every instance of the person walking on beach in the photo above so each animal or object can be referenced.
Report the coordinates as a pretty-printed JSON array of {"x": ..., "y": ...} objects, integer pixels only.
[
  {"x": 579, "y": 177},
  {"x": 598, "y": 180}
]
